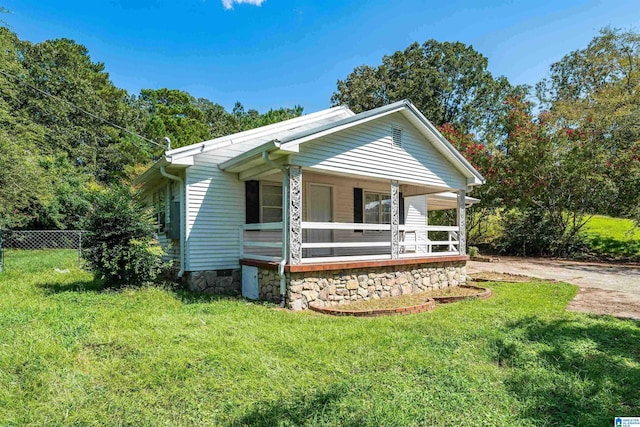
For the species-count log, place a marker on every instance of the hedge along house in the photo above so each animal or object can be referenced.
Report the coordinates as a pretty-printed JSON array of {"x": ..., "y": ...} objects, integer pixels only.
[{"x": 321, "y": 209}]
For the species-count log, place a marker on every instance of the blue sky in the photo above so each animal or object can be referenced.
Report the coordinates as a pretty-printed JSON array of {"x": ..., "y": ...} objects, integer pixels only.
[{"x": 276, "y": 53}]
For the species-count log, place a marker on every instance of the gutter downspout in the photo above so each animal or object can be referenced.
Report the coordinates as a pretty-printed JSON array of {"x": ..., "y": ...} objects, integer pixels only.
[
  {"x": 164, "y": 173},
  {"x": 285, "y": 225}
]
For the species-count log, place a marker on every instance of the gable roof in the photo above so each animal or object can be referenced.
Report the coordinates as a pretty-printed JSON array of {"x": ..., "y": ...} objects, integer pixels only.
[
  {"x": 291, "y": 142},
  {"x": 285, "y": 137}
]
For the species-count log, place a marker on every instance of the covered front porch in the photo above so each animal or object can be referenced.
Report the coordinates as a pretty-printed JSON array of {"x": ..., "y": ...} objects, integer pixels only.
[{"x": 335, "y": 218}]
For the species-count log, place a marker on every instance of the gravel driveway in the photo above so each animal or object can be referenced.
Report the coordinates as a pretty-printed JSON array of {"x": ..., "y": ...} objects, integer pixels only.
[{"x": 604, "y": 288}]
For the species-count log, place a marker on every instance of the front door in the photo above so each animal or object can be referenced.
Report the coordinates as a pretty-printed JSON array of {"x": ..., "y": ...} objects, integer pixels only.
[{"x": 319, "y": 209}]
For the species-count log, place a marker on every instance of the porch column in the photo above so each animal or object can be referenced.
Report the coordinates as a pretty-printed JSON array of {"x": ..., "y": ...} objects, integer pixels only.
[
  {"x": 295, "y": 215},
  {"x": 462, "y": 223},
  {"x": 395, "y": 220}
]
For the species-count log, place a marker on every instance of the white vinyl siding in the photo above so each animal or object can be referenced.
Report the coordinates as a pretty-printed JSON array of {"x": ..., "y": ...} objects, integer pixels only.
[
  {"x": 215, "y": 212},
  {"x": 368, "y": 150},
  {"x": 216, "y": 199}
]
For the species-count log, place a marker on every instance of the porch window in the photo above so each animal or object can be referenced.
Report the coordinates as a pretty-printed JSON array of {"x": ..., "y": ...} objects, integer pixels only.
[
  {"x": 271, "y": 203},
  {"x": 377, "y": 208}
]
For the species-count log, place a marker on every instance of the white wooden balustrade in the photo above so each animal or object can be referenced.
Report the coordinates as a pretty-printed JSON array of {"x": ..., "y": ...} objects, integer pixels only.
[{"x": 414, "y": 241}]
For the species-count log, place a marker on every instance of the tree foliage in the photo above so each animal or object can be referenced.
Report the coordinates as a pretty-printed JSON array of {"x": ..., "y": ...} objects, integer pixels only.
[
  {"x": 448, "y": 82},
  {"x": 552, "y": 175},
  {"x": 596, "y": 91},
  {"x": 61, "y": 129}
]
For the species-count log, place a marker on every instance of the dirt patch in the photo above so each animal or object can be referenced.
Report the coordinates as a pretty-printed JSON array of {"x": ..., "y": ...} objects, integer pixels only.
[
  {"x": 492, "y": 276},
  {"x": 603, "y": 301},
  {"x": 412, "y": 299}
]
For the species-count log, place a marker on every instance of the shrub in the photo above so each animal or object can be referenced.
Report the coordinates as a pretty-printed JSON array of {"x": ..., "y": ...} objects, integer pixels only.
[
  {"x": 120, "y": 244},
  {"x": 473, "y": 251},
  {"x": 531, "y": 232}
]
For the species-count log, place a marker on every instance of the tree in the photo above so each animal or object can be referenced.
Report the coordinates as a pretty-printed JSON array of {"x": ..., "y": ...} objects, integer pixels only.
[
  {"x": 596, "y": 91},
  {"x": 448, "y": 82},
  {"x": 22, "y": 182},
  {"x": 63, "y": 69},
  {"x": 555, "y": 178},
  {"x": 484, "y": 159}
]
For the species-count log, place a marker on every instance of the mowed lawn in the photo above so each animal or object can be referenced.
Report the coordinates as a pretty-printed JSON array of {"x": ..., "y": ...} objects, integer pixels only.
[
  {"x": 71, "y": 354},
  {"x": 615, "y": 237}
]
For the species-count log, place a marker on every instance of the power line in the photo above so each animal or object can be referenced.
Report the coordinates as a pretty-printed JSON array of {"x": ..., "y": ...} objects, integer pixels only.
[{"x": 79, "y": 108}]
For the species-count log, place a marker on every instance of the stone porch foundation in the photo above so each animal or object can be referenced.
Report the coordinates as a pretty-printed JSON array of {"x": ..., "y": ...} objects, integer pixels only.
[
  {"x": 214, "y": 281},
  {"x": 327, "y": 286}
]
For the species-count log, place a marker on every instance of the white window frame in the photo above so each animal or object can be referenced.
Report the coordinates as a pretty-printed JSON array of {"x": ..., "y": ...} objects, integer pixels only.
[
  {"x": 262, "y": 206},
  {"x": 364, "y": 206}
]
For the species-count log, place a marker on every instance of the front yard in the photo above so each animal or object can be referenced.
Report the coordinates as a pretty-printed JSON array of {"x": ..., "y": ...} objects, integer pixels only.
[{"x": 73, "y": 354}]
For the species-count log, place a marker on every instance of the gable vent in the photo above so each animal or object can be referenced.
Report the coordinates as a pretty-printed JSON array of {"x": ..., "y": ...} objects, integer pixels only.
[{"x": 396, "y": 137}]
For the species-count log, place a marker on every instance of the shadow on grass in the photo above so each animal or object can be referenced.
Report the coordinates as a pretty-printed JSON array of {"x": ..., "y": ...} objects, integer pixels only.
[
  {"x": 191, "y": 297},
  {"x": 615, "y": 247},
  {"x": 304, "y": 410},
  {"x": 582, "y": 372},
  {"x": 77, "y": 286},
  {"x": 182, "y": 294}
]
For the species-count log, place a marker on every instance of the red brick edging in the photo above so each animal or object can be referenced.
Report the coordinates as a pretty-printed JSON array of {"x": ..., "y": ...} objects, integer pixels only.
[
  {"x": 343, "y": 311},
  {"x": 430, "y": 304}
]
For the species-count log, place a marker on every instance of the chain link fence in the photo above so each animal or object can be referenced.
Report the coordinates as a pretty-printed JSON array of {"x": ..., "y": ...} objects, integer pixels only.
[{"x": 38, "y": 240}]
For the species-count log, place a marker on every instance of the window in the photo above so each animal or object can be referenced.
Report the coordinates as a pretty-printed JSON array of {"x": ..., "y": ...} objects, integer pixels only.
[
  {"x": 377, "y": 208},
  {"x": 159, "y": 204},
  {"x": 271, "y": 203}
]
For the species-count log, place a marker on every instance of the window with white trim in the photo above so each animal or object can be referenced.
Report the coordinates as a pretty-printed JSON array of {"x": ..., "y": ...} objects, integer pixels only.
[
  {"x": 377, "y": 208},
  {"x": 271, "y": 203}
]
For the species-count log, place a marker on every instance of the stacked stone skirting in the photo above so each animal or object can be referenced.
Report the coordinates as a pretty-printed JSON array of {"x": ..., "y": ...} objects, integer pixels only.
[
  {"x": 213, "y": 281},
  {"x": 341, "y": 286}
]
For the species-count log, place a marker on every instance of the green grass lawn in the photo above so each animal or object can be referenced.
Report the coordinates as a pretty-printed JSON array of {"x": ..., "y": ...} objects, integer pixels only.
[
  {"x": 614, "y": 237},
  {"x": 71, "y": 354}
]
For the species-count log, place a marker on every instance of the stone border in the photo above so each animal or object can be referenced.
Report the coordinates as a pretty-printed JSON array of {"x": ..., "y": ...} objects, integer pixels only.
[
  {"x": 484, "y": 293},
  {"x": 484, "y": 258},
  {"x": 524, "y": 278},
  {"x": 428, "y": 305}
]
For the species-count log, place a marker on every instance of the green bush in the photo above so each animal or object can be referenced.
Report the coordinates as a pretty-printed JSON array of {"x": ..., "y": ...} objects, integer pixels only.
[
  {"x": 531, "y": 232},
  {"x": 120, "y": 244},
  {"x": 473, "y": 251}
]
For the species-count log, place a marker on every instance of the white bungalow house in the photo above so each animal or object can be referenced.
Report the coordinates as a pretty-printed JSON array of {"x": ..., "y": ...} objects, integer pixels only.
[{"x": 322, "y": 209}]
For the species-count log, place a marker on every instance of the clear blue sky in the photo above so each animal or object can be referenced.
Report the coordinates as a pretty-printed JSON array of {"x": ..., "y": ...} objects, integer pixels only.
[{"x": 281, "y": 53}]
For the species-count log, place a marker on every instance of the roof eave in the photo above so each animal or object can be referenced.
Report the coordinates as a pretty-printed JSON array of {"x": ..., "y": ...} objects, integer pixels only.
[{"x": 477, "y": 178}]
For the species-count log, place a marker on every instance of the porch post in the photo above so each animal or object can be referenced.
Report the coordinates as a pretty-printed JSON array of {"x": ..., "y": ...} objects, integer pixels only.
[
  {"x": 462, "y": 223},
  {"x": 395, "y": 220},
  {"x": 295, "y": 215}
]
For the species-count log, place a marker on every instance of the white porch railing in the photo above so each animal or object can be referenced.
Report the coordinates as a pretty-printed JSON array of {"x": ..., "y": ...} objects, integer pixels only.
[
  {"x": 246, "y": 242},
  {"x": 414, "y": 241}
]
